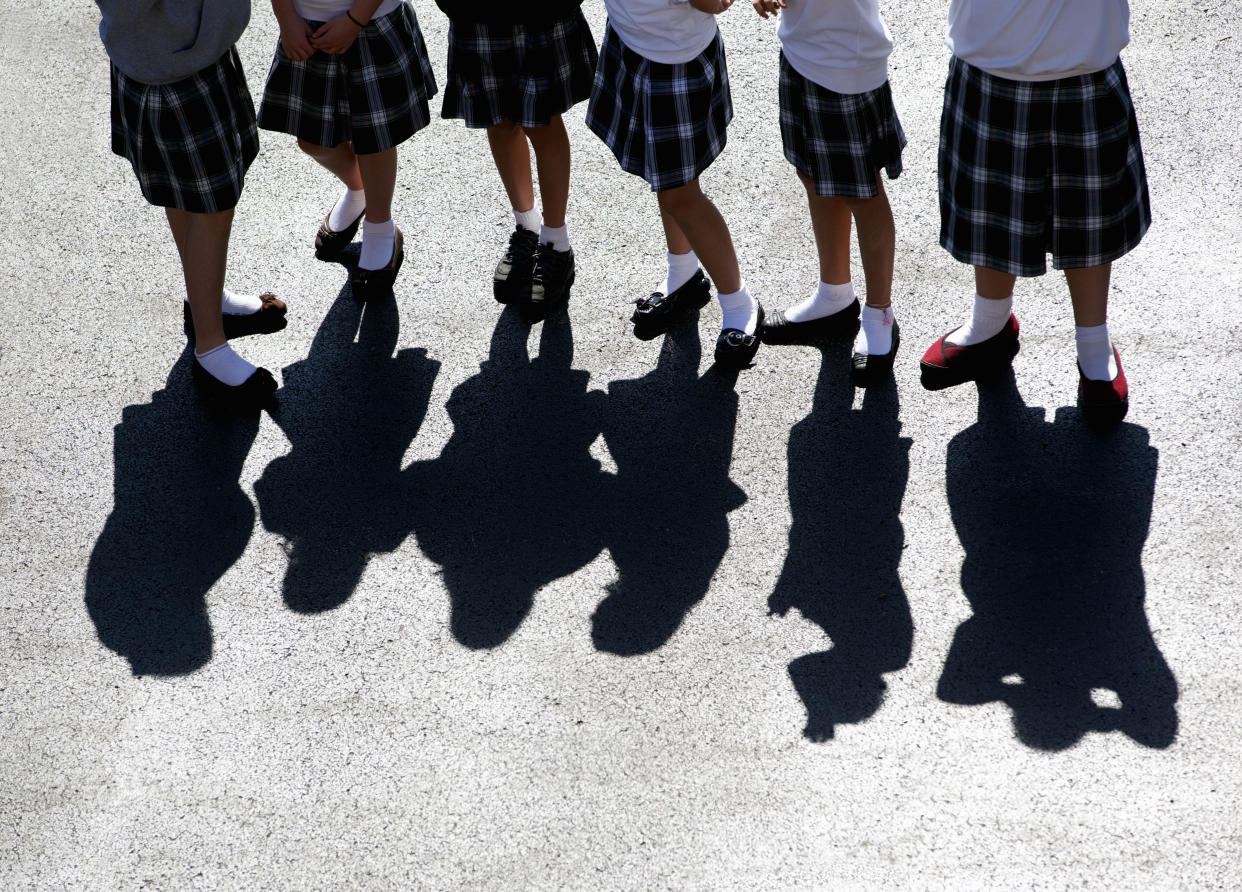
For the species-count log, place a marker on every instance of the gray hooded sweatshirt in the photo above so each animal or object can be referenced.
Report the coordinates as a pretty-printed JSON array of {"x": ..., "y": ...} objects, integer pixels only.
[{"x": 161, "y": 41}]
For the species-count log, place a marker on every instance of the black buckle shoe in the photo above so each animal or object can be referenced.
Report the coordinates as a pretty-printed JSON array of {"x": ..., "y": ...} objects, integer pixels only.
[
  {"x": 512, "y": 280},
  {"x": 549, "y": 286},
  {"x": 735, "y": 348},
  {"x": 867, "y": 368},
  {"x": 779, "y": 330},
  {"x": 249, "y": 396},
  {"x": 654, "y": 313},
  {"x": 368, "y": 284}
]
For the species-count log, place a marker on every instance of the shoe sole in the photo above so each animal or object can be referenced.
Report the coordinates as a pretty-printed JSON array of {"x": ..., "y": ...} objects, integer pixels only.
[{"x": 936, "y": 377}]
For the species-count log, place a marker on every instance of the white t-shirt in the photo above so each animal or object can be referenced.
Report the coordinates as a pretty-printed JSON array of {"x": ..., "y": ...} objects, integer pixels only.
[
  {"x": 1038, "y": 40},
  {"x": 323, "y": 10},
  {"x": 668, "y": 31},
  {"x": 842, "y": 45}
]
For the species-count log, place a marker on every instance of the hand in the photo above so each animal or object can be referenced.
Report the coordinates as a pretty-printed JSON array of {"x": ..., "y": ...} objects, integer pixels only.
[
  {"x": 295, "y": 39},
  {"x": 768, "y": 7},
  {"x": 715, "y": 7},
  {"x": 336, "y": 36}
]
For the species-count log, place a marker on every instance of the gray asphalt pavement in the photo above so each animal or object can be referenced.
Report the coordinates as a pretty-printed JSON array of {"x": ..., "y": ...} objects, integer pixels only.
[{"x": 487, "y": 607}]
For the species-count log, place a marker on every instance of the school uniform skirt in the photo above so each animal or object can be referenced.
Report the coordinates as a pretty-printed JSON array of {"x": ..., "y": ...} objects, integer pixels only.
[
  {"x": 526, "y": 74},
  {"x": 665, "y": 123},
  {"x": 374, "y": 95},
  {"x": 190, "y": 142}
]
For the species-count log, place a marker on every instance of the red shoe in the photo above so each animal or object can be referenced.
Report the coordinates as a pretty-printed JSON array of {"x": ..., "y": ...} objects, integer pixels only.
[
  {"x": 944, "y": 364},
  {"x": 1104, "y": 403}
]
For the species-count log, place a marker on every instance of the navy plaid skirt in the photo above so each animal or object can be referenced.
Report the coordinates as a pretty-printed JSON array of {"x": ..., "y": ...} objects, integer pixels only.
[
  {"x": 665, "y": 123},
  {"x": 1031, "y": 168},
  {"x": 526, "y": 74},
  {"x": 190, "y": 142},
  {"x": 373, "y": 95},
  {"x": 839, "y": 141}
]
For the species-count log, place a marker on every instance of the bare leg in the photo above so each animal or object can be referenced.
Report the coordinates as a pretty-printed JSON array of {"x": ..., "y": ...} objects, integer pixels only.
[
  {"x": 512, "y": 157},
  {"x": 1089, "y": 293},
  {"x": 993, "y": 284},
  {"x": 697, "y": 225},
  {"x": 551, "y": 145},
  {"x": 877, "y": 244},
  {"x": 203, "y": 241},
  {"x": 379, "y": 180},
  {"x": 339, "y": 159},
  {"x": 830, "y": 221}
]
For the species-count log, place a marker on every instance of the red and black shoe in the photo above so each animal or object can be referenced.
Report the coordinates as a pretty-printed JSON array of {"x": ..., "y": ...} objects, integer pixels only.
[
  {"x": 945, "y": 364},
  {"x": 1104, "y": 403}
]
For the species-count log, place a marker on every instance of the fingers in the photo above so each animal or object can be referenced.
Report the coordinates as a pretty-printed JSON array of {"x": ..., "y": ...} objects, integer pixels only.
[{"x": 768, "y": 8}]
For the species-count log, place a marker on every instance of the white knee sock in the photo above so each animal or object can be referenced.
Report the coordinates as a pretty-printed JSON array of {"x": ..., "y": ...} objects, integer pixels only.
[
  {"x": 377, "y": 244},
  {"x": 875, "y": 335},
  {"x": 348, "y": 208},
  {"x": 225, "y": 365},
  {"x": 556, "y": 236},
  {"x": 740, "y": 310},
  {"x": 823, "y": 301},
  {"x": 1095, "y": 352},
  {"x": 681, "y": 269},
  {"x": 986, "y": 321},
  {"x": 532, "y": 219}
]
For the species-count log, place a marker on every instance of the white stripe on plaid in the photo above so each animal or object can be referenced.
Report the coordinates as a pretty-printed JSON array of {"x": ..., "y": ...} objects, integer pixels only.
[
  {"x": 840, "y": 141},
  {"x": 374, "y": 94},
  {"x": 189, "y": 142},
  {"x": 1031, "y": 168},
  {"x": 665, "y": 123},
  {"x": 521, "y": 73}
]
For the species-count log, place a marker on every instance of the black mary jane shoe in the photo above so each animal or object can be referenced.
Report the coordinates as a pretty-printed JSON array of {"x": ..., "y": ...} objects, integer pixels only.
[
  {"x": 270, "y": 317},
  {"x": 368, "y": 284},
  {"x": 657, "y": 310},
  {"x": 779, "y": 330},
  {"x": 329, "y": 244},
  {"x": 867, "y": 369},
  {"x": 249, "y": 396},
  {"x": 735, "y": 348}
]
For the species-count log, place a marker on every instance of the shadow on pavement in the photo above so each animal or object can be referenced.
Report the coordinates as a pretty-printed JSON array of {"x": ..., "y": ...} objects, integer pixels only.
[
  {"x": 1053, "y": 519},
  {"x": 671, "y": 436},
  {"x": 179, "y": 522},
  {"x": 350, "y": 411},
  {"x": 512, "y": 502},
  {"x": 848, "y": 470}
]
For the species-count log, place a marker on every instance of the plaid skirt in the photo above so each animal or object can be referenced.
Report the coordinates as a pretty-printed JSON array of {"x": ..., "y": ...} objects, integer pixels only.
[
  {"x": 190, "y": 142},
  {"x": 373, "y": 95},
  {"x": 526, "y": 74},
  {"x": 839, "y": 141},
  {"x": 1029, "y": 169},
  {"x": 665, "y": 123}
]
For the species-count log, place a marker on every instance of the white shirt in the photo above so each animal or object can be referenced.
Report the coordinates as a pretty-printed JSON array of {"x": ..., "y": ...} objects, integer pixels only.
[
  {"x": 842, "y": 45},
  {"x": 1038, "y": 40},
  {"x": 323, "y": 10},
  {"x": 668, "y": 31}
]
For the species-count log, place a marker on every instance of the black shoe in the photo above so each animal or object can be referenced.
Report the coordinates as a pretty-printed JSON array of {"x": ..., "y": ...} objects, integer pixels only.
[
  {"x": 249, "y": 396},
  {"x": 268, "y": 318},
  {"x": 512, "y": 280},
  {"x": 329, "y": 244},
  {"x": 655, "y": 312},
  {"x": 779, "y": 330},
  {"x": 368, "y": 284},
  {"x": 735, "y": 348},
  {"x": 867, "y": 368},
  {"x": 550, "y": 284}
]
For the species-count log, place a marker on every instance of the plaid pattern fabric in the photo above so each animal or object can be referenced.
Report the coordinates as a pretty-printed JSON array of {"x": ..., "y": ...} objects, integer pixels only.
[
  {"x": 373, "y": 95},
  {"x": 839, "y": 141},
  {"x": 1035, "y": 168},
  {"x": 190, "y": 142},
  {"x": 665, "y": 123},
  {"x": 520, "y": 73}
]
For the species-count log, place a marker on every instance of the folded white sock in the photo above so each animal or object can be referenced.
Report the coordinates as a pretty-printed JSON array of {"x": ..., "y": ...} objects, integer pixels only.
[
  {"x": 875, "y": 335},
  {"x": 823, "y": 301},
  {"x": 740, "y": 310},
  {"x": 681, "y": 269},
  {"x": 986, "y": 320},
  {"x": 225, "y": 365},
  {"x": 1095, "y": 352},
  {"x": 377, "y": 244},
  {"x": 348, "y": 208},
  {"x": 532, "y": 219},
  {"x": 556, "y": 236},
  {"x": 233, "y": 304}
]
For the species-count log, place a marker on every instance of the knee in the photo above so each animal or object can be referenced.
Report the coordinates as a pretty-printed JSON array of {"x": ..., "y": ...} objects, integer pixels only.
[
  {"x": 504, "y": 129},
  {"x": 679, "y": 200}
]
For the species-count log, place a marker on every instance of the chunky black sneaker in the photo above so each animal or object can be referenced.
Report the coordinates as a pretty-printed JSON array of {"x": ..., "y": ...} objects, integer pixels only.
[
  {"x": 549, "y": 286},
  {"x": 511, "y": 284}
]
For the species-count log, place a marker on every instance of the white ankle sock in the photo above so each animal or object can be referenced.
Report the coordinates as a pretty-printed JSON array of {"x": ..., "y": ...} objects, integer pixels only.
[
  {"x": 1095, "y": 352},
  {"x": 348, "y": 208},
  {"x": 377, "y": 244},
  {"x": 225, "y": 365},
  {"x": 556, "y": 236},
  {"x": 823, "y": 301},
  {"x": 532, "y": 219},
  {"x": 232, "y": 304},
  {"x": 875, "y": 335},
  {"x": 740, "y": 310},
  {"x": 986, "y": 321},
  {"x": 681, "y": 269}
]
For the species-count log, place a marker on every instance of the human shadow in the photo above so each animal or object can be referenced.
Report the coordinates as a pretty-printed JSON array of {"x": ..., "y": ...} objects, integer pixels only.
[
  {"x": 670, "y": 433},
  {"x": 848, "y": 470},
  {"x": 179, "y": 521},
  {"x": 1053, "y": 519},
  {"x": 350, "y": 411},
  {"x": 512, "y": 501}
]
